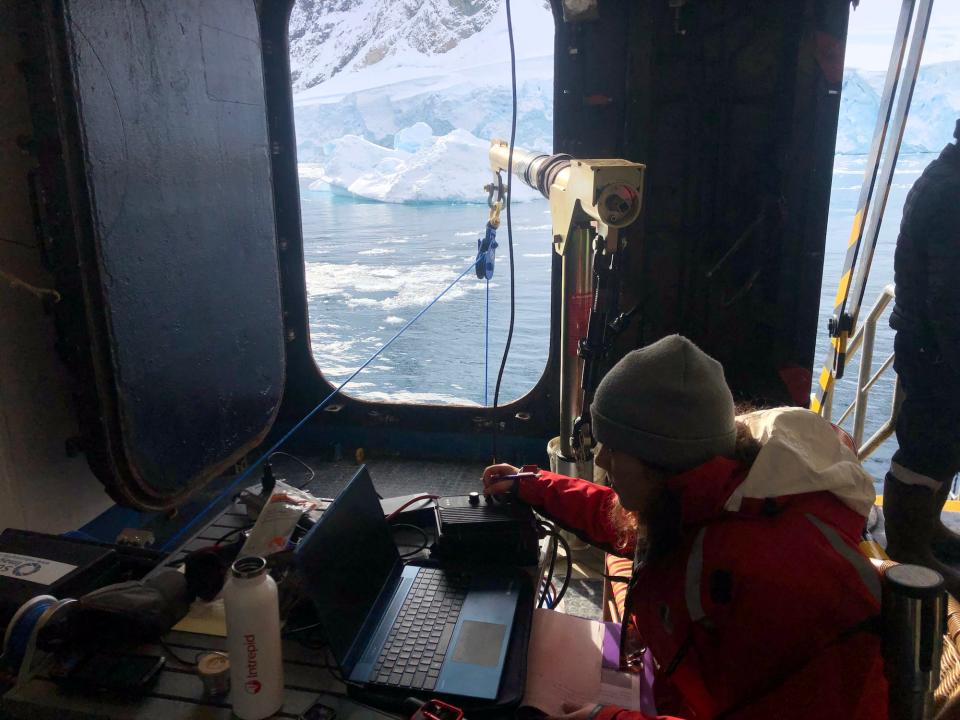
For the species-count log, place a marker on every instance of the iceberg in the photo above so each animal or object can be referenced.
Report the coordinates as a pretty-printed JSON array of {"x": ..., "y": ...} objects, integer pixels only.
[
  {"x": 413, "y": 138},
  {"x": 420, "y": 168},
  {"x": 344, "y": 160}
]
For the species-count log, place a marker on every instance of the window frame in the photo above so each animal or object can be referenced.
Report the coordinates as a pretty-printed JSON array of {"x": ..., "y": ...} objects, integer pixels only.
[{"x": 419, "y": 430}]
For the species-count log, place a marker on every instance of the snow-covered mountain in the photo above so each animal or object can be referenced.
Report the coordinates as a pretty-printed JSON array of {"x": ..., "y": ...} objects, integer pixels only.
[
  {"x": 371, "y": 70},
  {"x": 328, "y": 37}
]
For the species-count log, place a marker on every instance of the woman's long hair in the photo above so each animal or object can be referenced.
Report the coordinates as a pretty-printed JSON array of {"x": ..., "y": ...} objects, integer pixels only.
[{"x": 663, "y": 531}]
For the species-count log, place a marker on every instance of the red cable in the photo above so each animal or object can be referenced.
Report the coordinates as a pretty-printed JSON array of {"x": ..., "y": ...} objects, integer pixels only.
[{"x": 408, "y": 503}]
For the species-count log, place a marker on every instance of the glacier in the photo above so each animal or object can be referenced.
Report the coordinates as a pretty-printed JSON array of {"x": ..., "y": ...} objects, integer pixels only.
[
  {"x": 471, "y": 99},
  {"x": 406, "y": 115},
  {"x": 419, "y": 168},
  {"x": 934, "y": 109},
  {"x": 465, "y": 88}
]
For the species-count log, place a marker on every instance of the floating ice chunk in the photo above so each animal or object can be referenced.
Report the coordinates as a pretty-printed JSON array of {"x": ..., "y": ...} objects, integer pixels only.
[
  {"x": 406, "y": 396},
  {"x": 347, "y": 158},
  {"x": 390, "y": 288}
]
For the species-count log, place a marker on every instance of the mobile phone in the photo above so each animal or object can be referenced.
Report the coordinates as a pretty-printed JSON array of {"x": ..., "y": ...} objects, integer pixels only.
[{"x": 101, "y": 672}]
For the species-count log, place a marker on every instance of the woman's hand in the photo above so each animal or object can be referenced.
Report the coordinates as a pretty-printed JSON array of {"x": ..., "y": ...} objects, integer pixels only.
[
  {"x": 492, "y": 486},
  {"x": 577, "y": 712}
]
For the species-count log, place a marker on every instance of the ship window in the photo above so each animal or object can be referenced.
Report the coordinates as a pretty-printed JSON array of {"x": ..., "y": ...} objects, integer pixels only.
[{"x": 394, "y": 105}]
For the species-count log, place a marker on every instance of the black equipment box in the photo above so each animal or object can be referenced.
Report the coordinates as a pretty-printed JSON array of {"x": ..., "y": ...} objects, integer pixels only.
[
  {"x": 472, "y": 528},
  {"x": 34, "y": 564}
]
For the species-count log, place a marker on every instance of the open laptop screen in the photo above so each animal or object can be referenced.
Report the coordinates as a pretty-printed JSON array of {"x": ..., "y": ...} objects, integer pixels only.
[{"x": 347, "y": 559}]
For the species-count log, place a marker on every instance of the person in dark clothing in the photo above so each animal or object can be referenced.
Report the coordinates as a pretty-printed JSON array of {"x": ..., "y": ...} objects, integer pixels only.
[{"x": 926, "y": 316}]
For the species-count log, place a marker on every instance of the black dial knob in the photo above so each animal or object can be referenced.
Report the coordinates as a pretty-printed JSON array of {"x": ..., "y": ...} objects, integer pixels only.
[{"x": 474, "y": 498}]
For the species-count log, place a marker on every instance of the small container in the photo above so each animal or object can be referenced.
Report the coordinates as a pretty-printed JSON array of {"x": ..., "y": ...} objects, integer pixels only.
[
  {"x": 253, "y": 640},
  {"x": 214, "y": 671}
]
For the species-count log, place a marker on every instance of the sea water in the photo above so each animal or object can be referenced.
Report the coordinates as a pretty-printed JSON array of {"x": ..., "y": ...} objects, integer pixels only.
[{"x": 371, "y": 267}]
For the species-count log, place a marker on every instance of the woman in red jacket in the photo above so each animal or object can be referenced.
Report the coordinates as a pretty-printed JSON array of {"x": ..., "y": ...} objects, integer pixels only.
[{"x": 748, "y": 594}]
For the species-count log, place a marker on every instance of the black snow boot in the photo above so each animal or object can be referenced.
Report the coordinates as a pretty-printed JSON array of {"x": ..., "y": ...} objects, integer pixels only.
[{"x": 910, "y": 521}]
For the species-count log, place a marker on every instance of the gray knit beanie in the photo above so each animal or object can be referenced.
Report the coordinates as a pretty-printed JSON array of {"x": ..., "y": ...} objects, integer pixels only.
[{"x": 667, "y": 404}]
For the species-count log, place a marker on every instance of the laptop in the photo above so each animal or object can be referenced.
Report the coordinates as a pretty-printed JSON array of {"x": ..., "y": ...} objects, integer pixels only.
[{"x": 434, "y": 630}]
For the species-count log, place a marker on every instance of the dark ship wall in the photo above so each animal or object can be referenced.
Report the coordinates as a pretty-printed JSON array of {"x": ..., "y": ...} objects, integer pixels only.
[
  {"x": 733, "y": 108},
  {"x": 41, "y": 487}
]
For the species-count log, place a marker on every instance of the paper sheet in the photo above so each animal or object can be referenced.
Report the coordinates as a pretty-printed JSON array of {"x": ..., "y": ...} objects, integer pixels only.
[
  {"x": 205, "y": 618},
  {"x": 564, "y": 665}
]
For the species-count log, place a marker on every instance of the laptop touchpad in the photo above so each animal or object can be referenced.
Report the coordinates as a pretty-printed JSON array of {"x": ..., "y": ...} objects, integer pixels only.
[{"x": 479, "y": 643}]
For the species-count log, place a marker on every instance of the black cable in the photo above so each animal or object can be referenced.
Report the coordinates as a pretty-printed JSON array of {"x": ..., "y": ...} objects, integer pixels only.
[
  {"x": 233, "y": 532},
  {"x": 548, "y": 578},
  {"x": 310, "y": 636},
  {"x": 552, "y": 531},
  {"x": 310, "y": 470},
  {"x": 18, "y": 242},
  {"x": 426, "y": 538},
  {"x": 337, "y": 674},
  {"x": 550, "y": 573},
  {"x": 566, "y": 580},
  {"x": 513, "y": 139},
  {"x": 295, "y": 631}
]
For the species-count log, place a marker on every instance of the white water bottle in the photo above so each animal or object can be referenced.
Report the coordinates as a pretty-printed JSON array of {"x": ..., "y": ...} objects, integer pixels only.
[{"x": 253, "y": 640}]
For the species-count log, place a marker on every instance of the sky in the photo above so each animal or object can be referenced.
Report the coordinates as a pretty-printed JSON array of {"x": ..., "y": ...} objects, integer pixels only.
[{"x": 872, "y": 24}]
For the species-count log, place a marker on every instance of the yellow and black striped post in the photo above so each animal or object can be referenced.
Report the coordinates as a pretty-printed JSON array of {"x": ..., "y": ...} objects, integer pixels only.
[{"x": 846, "y": 304}]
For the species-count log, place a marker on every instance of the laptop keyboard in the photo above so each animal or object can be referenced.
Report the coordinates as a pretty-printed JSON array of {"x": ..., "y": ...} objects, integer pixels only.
[{"x": 418, "y": 640}]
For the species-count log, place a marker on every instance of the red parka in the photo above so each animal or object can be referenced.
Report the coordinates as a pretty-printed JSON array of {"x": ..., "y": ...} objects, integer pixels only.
[{"x": 766, "y": 609}]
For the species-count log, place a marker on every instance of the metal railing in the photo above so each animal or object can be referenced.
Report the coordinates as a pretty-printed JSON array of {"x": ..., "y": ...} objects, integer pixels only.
[{"x": 863, "y": 340}]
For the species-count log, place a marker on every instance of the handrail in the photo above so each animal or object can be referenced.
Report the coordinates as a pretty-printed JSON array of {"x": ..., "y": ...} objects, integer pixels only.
[{"x": 865, "y": 337}]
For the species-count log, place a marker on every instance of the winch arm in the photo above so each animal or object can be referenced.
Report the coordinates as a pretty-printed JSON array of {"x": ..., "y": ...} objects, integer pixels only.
[
  {"x": 603, "y": 192},
  {"x": 590, "y": 202}
]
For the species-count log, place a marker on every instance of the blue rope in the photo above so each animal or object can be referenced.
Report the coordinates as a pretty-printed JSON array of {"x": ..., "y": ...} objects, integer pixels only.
[
  {"x": 486, "y": 345},
  {"x": 323, "y": 403}
]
